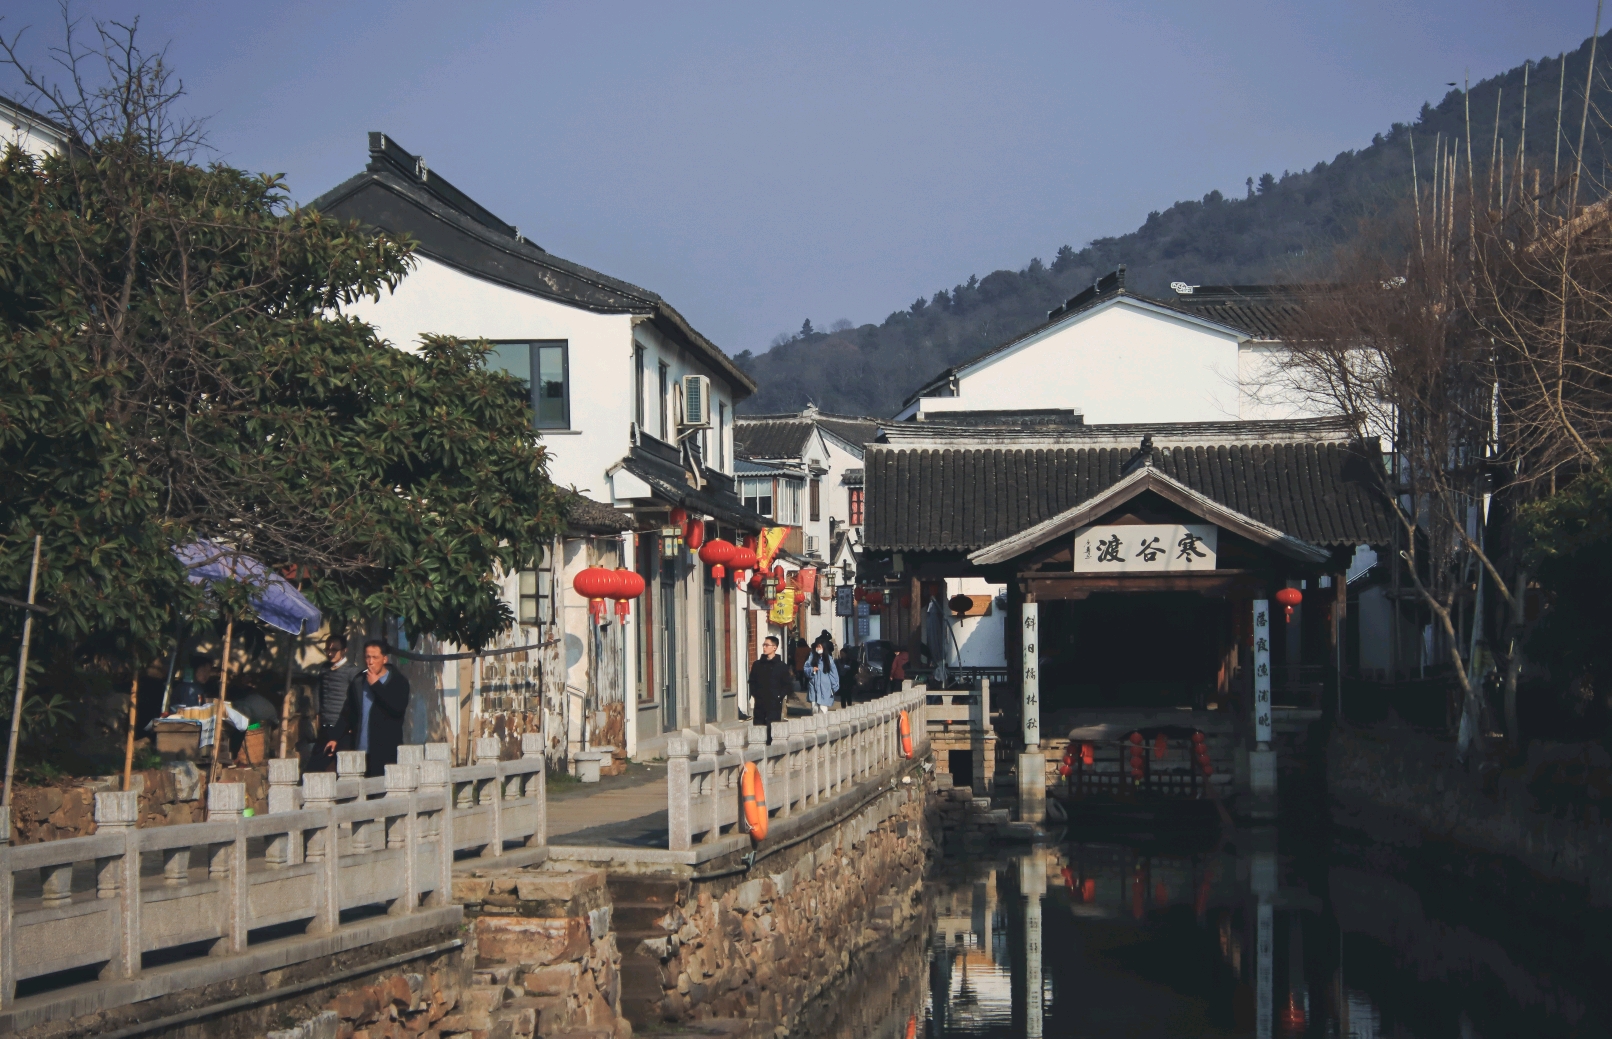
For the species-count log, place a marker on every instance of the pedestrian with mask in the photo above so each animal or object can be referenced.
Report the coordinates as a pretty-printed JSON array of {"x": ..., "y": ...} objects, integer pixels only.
[
  {"x": 822, "y": 676},
  {"x": 372, "y": 718},
  {"x": 771, "y": 683}
]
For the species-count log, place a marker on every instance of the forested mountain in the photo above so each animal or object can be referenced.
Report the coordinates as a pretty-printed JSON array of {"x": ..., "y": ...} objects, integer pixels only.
[{"x": 1283, "y": 230}]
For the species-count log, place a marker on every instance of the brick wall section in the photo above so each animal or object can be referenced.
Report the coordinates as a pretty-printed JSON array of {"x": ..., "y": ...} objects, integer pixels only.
[
  {"x": 1397, "y": 784},
  {"x": 763, "y": 945},
  {"x": 546, "y": 960}
]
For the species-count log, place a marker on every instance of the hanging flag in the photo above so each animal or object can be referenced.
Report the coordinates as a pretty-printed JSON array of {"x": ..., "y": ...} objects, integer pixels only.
[
  {"x": 768, "y": 543},
  {"x": 783, "y": 607}
]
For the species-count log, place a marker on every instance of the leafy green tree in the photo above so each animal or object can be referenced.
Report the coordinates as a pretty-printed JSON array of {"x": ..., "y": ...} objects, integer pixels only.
[{"x": 175, "y": 364}]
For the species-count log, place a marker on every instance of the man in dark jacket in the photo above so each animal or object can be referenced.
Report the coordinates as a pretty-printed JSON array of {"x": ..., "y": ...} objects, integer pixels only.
[
  {"x": 771, "y": 683},
  {"x": 372, "y": 719}
]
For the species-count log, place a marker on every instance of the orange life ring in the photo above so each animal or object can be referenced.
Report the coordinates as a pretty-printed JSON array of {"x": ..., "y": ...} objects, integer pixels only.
[
  {"x": 755, "y": 800},
  {"x": 906, "y": 735}
]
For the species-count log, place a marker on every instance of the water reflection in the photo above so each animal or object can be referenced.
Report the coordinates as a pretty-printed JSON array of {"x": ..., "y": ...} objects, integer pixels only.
[{"x": 1226, "y": 939}]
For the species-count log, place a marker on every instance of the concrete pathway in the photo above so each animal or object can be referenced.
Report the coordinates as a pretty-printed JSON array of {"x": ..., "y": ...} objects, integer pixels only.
[{"x": 628, "y": 809}]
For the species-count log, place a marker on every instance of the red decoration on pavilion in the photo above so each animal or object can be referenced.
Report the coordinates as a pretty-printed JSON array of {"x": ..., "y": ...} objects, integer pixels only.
[
  {"x": 716, "y": 554},
  {"x": 1289, "y": 598},
  {"x": 596, "y": 584}
]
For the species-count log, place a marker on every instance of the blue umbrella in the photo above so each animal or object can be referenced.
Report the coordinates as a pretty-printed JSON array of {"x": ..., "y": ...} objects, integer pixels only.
[{"x": 276, "y": 602}]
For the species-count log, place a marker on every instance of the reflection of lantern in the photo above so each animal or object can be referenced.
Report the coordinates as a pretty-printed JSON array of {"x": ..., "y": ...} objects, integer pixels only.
[
  {"x": 1289, "y": 597},
  {"x": 715, "y": 554},
  {"x": 1161, "y": 746},
  {"x": 595, "y": 583},
  {"x": 1088, "y": 754},
  {"x": 628, "y": 586}
]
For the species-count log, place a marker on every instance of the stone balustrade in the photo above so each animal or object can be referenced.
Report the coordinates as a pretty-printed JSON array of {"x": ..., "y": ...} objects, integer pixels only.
[
  {"x": 811, "y": 761},
  {"x": 334, "y": 850}
]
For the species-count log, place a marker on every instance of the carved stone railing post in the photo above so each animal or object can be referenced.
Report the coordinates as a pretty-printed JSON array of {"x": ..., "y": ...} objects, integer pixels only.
[
  {"x": 285, "y": 795},
  {"x": 226, "y": 865},
  {"x": 535, "y": 786},
  {"x": 679, "y": 810},
  {"x": 437, "y": 775},
  {"x": 401, "y": 829},
  {"x": 490, "y": 792},
  {"x": 319, "y": 793},
  {"x": 119, "y": 877}
]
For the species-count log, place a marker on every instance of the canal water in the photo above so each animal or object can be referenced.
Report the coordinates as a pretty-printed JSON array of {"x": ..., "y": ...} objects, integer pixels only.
[{"x": 1236, "y": 935}]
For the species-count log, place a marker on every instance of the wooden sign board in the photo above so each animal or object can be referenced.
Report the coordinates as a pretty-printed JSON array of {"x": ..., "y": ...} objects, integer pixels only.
[{"x": 1146, "y": 548}]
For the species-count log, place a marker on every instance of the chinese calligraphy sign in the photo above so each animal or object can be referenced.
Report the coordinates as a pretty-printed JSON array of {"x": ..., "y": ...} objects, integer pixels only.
[
  {"x": 1262, "y": 671},
  {"x": 1142, "y": 547},
  {"x": 1030, "y": 677}
]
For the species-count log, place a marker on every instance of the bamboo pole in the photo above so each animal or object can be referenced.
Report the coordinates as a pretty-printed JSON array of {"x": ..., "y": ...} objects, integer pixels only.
[
  {"x": 134, "y": 709},
  {"x": 285, "y": 703},
  {"x": 16, "y": 706},
  {"x": 218, "y": 710}
]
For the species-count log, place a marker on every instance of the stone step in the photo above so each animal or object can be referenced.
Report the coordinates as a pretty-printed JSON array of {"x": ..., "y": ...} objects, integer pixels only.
[{"x": 630, "y": 889}]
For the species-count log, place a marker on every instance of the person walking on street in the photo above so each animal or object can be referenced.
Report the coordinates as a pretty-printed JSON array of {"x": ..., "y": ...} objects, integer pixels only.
[
  {"x": 372, "y": 718},
  {"x": 822, "y": 676},
  {"x": 340, "y": 670},
  {"x": 771, "y": 683}
]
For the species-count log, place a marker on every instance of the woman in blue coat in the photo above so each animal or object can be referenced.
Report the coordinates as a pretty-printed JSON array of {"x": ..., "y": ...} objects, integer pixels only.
[{"x": 822, "y": 677}]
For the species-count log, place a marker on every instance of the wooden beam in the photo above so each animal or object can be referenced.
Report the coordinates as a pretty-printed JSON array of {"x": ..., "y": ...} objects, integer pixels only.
[{"x": 1217, "y": 583}]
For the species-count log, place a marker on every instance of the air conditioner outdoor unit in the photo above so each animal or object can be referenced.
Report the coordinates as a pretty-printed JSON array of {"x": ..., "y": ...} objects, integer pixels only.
[
  {"x": 811, "y": 544},
  {"x": 696, "y": 402}
]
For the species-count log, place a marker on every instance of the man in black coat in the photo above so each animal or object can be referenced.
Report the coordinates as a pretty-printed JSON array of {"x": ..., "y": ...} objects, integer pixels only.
[
  {"x": 372, "y": 719},
  {"x": 771, "y": 683}
]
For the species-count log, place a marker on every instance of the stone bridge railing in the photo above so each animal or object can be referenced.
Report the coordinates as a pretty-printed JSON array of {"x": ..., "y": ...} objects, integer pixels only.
[
  {"x": 334, "y": 851},
  {"x": 810, "y": 761}
]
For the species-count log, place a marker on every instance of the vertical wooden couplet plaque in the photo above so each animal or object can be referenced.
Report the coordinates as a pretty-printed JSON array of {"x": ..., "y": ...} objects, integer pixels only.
[
  {"x": 1030, "y": 677},
  {"x": 1262, "y": 673}
]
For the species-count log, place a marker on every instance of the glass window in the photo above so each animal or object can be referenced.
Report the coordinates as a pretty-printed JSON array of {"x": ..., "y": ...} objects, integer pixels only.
[
  {"x": 789, "y": 506},
  {"x": 757, "y": 495},
  {"x": 856, "y": 506},
  {"x": 536, "y": 593},
  {"x": 550, "y": 389},
  {"x": 665, "y": 403},
  {"x": 638, "y": 384}
]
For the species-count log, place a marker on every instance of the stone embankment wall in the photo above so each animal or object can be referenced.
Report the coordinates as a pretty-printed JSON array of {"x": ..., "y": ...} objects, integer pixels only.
[
  {"x": 169, "y": 796},
  {"x": 762, "y": 943},
  {"x": 546, "y": 960},
  {"x": 1406, "y": 788}
]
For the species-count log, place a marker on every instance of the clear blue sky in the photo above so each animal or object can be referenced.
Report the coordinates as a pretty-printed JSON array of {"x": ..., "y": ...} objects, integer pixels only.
[{"x": 757, "y": 164}]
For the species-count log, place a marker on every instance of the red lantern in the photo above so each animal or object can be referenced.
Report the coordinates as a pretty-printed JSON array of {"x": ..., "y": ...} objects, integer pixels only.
[
  {"x": 1136, "y": 739},
  {"x": 714, "y": 554},
  {"x": 874, "y": 598},
  {"x": 1088, "y": 754},
  {"x": 744, "y": 558},
  {"x": 628, "y": 586},
  {"x": 595, "y": 583},
  {"x": 1197, "y": 737},
  {"x": 1064, "y": 769},
  {"x": 679, "y": 517},
  {"x": 694, "y": 533},
  {"x": 1289, "y": 598}
]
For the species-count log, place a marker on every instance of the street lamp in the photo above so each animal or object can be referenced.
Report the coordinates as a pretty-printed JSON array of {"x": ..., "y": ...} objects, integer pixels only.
[{"x": 671, "y": 540}]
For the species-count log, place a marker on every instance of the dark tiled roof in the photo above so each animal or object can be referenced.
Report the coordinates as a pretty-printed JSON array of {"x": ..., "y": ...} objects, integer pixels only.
[
  {"x": 966, "y": 498},
  {"x": 669, "y": 481},
  {"x": 771, "y": 438},
  {"x": 851, "y": 429},
  {"x": 785, "y": 435},
  {"x": 583, "y": 515},
  {"x": 1121, "y": 433},
  {"x": 1264, "y": 311},
  {"x": 852, "y": 478}
]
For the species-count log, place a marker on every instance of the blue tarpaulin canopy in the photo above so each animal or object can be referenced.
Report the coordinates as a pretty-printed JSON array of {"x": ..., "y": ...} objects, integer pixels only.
[{"x": 276, "y": 602}]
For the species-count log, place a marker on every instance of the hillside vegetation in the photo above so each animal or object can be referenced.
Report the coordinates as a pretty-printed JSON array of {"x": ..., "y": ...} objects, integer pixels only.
[{"x": 1284, "y": 229}]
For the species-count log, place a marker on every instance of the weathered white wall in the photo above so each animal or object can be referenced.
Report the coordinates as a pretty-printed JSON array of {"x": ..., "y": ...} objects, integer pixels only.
[
  {"x": 1122, "y": 362},
  {"x": 34, "y": 138},
  {"x": 979, "y": 639}
]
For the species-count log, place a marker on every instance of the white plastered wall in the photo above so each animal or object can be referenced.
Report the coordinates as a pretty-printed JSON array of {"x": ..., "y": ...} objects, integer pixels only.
[{"x": 1123, "y": 362}]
